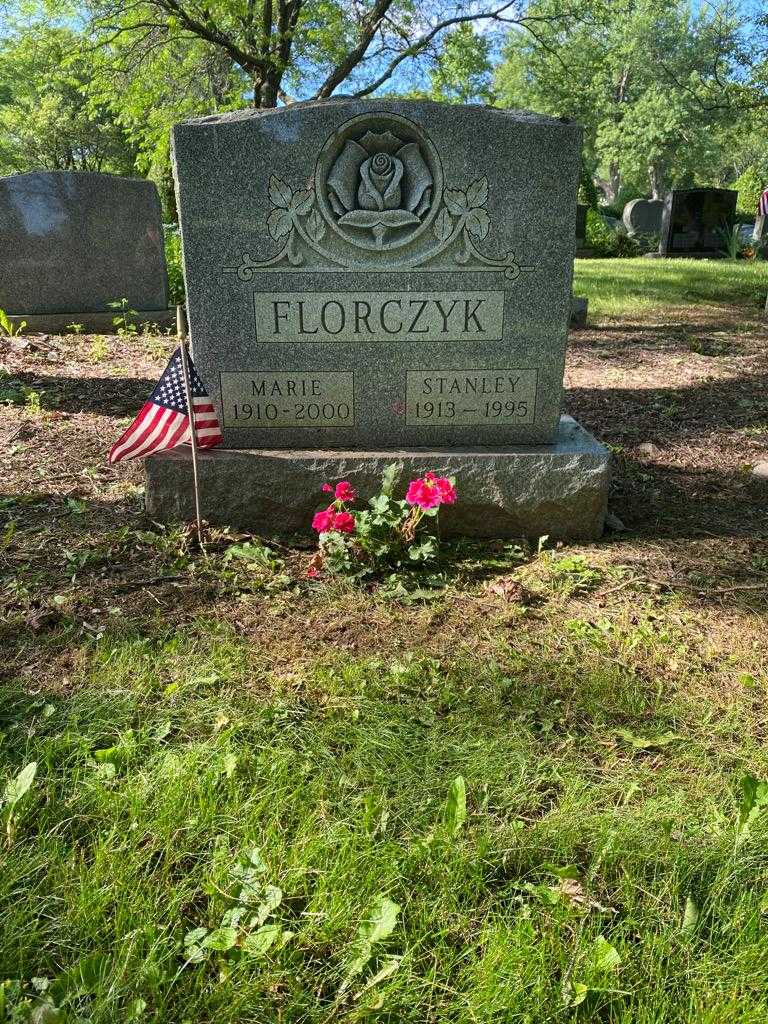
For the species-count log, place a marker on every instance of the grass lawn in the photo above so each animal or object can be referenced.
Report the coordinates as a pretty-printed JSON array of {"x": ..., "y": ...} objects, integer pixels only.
[
  {"x": 535, "y": 797},
  {"x": 617, "y": 287}
]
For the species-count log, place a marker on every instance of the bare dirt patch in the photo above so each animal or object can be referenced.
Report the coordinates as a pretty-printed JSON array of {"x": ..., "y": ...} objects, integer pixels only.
[{"x": 681, "y": 396}]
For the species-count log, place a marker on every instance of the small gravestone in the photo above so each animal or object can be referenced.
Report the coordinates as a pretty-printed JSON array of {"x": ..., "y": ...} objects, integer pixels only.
[
  {"x": 378, "y": 281},
  {"x": 74, "y": 242},
  {"x": 581, "y": 225},
  {"x": 643, "y": 217},
  {"x": 697, "y": 221}
]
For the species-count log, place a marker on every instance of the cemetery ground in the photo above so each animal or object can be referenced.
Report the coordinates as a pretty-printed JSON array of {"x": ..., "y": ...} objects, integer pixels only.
[{"x": 532, "y": 794}]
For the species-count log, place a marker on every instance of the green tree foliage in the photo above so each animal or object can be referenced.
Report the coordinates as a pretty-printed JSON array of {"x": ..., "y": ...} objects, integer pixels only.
[
  {"x": 47, "y": 116},
  {"x": 462, "y": 71},
  {"x": 654, "y": 83},
  {"x": 310, "y": 47},
  {"x": 750, "y": 185}
]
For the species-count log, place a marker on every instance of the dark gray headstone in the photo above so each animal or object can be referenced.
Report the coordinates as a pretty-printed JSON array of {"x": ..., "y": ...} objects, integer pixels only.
[
  {"x": 697, "y": 221},
  {"x": 581, "y": 224},
  {"x": 379, "y": 273},
  {"x": 643, "y": 217},
  {"x": 72, "y": 242}
]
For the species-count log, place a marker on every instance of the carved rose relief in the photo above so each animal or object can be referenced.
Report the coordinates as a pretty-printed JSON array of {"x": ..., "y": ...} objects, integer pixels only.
[{"x": 379, "y": 183}]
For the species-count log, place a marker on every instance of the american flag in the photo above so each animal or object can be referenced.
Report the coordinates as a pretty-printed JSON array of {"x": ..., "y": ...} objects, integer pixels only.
[
  {"x": 163, "y": 421},
  {"x": 762, "y": 206}
]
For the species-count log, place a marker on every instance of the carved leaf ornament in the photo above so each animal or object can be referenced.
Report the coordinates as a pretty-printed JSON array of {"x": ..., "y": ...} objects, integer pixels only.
[{"x": 378, "y": 190}]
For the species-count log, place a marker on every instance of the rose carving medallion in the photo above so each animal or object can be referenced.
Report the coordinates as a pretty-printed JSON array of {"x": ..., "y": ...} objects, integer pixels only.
[
  {"x": 376, "y": 192},
  {"x": 378, "y": 186}
]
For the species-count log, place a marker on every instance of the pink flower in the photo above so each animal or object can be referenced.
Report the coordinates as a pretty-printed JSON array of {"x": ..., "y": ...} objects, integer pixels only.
[
  {"x": 343, "y": 522},
  {"x": 430, "y": 491},
  {"x": 313, "y": 572},
  {"x": 323, "y": 521},
  {"x": 345, "y": 491},
  {"x": 446, "y": 489},
  {"x": 422, "y": 493},
  {"x": 327, "y": 488}
]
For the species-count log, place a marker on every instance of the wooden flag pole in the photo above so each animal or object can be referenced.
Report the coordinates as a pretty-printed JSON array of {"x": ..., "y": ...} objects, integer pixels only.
[{"x": 192, "y": 435}]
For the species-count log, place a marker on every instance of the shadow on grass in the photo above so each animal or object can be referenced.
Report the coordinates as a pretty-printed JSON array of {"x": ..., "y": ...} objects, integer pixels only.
[{"x": 106, "y": 396}]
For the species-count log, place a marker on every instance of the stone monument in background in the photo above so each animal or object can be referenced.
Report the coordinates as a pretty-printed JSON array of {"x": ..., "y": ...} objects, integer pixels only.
[
  {"x": 643, "y": 217},
  {"x": 697, "y": 221},
  {"x": 72, "y": 242},
  {"x": 379, "y": 281}
]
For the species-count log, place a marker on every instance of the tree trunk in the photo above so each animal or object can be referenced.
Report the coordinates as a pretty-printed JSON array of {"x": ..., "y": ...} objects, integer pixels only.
[{"x": 655, "y": 181}]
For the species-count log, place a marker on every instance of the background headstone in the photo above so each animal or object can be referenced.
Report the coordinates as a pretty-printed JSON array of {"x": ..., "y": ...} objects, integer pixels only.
[
  {"x": 72, "y": 242},
  {"x": 581, "y": 225},
  {"x": 696, "y": 221},
  {"x": 643, "y": 217},
  {"x": 385, "y": 273}
]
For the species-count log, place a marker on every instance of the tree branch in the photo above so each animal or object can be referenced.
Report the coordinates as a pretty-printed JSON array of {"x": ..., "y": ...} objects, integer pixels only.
[
  {"x": 368, "y": 28},
  {"x": 415, "y": 48}
]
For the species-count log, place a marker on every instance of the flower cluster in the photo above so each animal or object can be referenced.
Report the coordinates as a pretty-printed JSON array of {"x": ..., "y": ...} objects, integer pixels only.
[
  {"x": 336, "y": 517},
  {"x": 430, "y": 491},
  {"x": 384, "y": 535}
]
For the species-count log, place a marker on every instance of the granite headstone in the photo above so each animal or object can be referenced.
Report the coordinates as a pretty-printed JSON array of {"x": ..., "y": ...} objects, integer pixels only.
[
  {"x": 697, "y": 221},
  {"x": 383, "y": 281},
  {"x": 72, "y": 242},
  {"x": 379, "y": 273},
  {"x": 643, "y": 217}
]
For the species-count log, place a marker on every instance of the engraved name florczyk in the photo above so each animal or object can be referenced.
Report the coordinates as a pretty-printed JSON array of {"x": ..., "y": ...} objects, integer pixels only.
[{"x": 379, "y": 316}]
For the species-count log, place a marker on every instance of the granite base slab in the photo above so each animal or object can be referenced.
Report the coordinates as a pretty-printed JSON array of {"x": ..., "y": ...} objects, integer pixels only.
[{"x": 559, "y": 489}]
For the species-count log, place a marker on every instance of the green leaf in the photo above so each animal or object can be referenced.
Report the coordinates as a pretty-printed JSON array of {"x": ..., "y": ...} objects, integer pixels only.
[
  {"x": 389, "y": 478},
  {"x": 279, "y": 192},
  {"x": 690, "y": 916},
  {"x": 579, "y": 994},
  {"x": 114, "y": 755},
  {"x": 381, "y": 920},
  {"x": 456, "y": 806},
  {"x": 220, "y": 939},
  {"x": 20, "y": 786},
  {"x": 273, "y": 897},
  {"x": 194, "y": 937},
  {"x": 604, "y": 956},
  {"x": 378, "y": 925},
  {"x": 754, "y": 797},
  {"x": 645, "y": 742},
  {"x": 258, "y": 942},
  {"x": 568, "y": 871}
]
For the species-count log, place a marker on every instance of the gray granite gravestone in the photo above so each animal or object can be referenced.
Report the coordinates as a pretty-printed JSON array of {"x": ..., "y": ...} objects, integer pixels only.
[
  {"x": 72, "y": 242},
  {"x": 697, "y": 221},
  {"x": 375, "y": 276},
  {"x": 643, "y": 217},
  {"x": 581, "y": 225}
]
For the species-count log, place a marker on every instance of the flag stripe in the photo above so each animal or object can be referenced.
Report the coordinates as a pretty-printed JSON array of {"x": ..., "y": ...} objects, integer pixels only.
[
  {"x": 159, "y": 440},
  {"x": 146, "y": 442},
  {"x": 180, "y": 434},
  {"x": 142, "y": 425}
]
